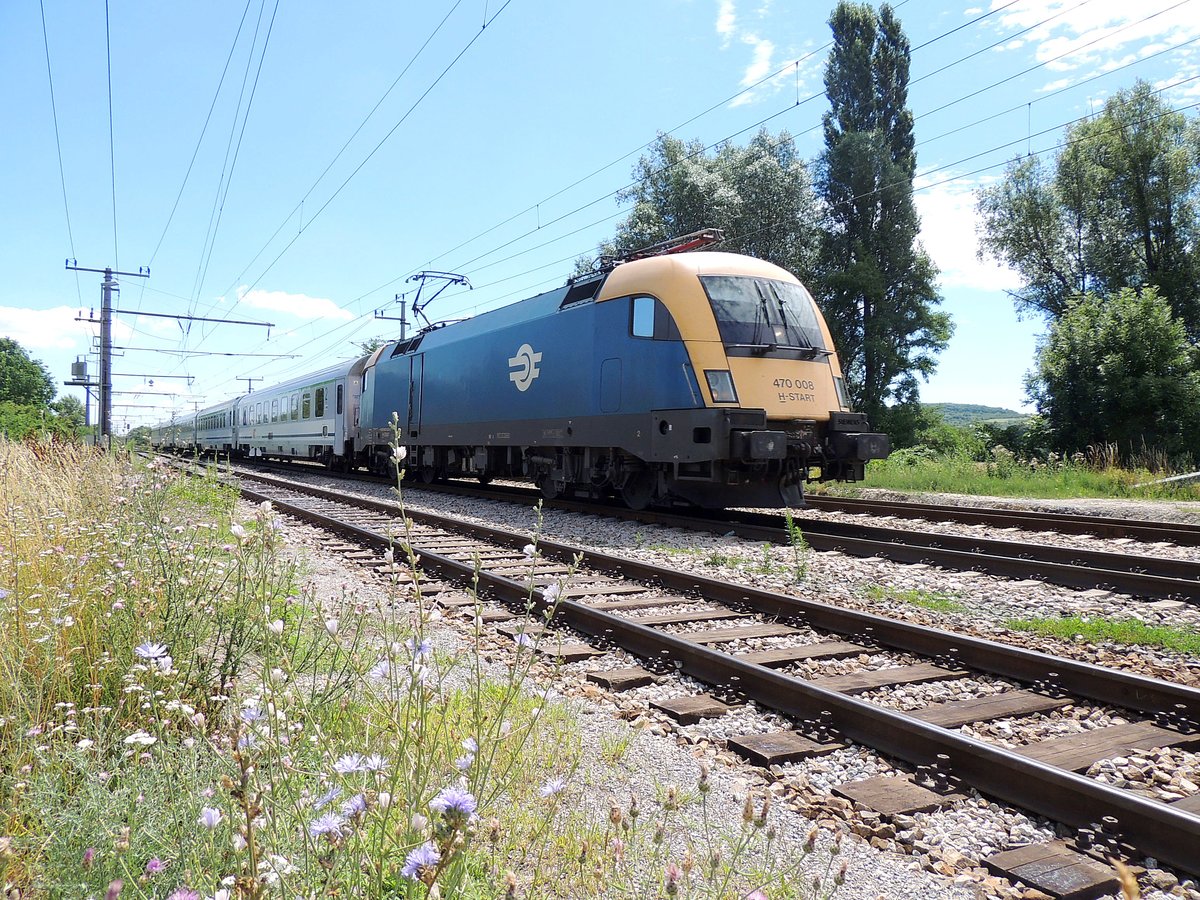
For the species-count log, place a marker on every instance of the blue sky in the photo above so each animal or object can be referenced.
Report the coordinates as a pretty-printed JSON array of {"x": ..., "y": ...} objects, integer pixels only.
[{"x": 495, "y": 154}]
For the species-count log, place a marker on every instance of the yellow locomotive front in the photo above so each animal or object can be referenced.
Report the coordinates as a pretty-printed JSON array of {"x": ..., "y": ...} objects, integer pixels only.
[{"x": 757, "y": 341}]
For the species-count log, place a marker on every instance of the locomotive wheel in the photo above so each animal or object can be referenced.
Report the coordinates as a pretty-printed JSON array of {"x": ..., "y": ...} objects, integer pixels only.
[
  {"x": 428, "y": 474},
  {"x": 484, "y": 477},
  {"x": 638, "y": 490},
  {"x": 547, "y": 486}
]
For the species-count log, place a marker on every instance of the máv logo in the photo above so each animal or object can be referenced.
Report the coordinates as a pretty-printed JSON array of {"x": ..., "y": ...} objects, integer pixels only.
[{"x": 524, "y": 367}]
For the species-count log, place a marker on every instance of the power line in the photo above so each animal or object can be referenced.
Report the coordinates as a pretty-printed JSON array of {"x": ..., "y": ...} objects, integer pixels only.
[
  {"x": 350, "y": 324},
  {"x": 299, "y": 206},
  {"x": 237, "y": 149},
  {"x": 376, "y": 148},
  {"x": 212, "y": 215},
  {"x": 203, "y": 130},
  {"x": 62, "y": 175}
]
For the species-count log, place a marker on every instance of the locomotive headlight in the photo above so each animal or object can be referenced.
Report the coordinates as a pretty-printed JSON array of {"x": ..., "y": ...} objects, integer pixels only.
[{"x": 720, "y": 385}]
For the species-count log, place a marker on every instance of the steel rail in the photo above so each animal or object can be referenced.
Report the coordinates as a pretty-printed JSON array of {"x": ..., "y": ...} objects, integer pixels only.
[
  {"x": 1030, "y": 520},
  {"x": 1102, "y": 685},
  {"x": 1154, "y": 828},
  {"x": 1134, "y": 574}
]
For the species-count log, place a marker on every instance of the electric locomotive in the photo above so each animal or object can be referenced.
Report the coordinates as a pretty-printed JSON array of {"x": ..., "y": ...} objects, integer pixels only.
[{"x": 703, "y": 377}]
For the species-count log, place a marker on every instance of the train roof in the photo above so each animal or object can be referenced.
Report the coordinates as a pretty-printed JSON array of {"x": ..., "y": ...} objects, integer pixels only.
[{"x": 622, "y": 280}]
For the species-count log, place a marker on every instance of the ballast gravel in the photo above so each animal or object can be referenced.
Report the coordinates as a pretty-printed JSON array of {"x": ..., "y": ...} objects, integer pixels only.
[
  {"x": 654, "y": 761},
  {"x": 956, "y": 838}
]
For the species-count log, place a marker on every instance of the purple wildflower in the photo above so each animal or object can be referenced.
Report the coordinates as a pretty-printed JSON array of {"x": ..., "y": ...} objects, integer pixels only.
[
  {"x": 553, "y": 786},
  {"x": 471, "y": 745},
  {"x": 374, "y": 763},
  {"x": 421, "y": 861},
  {"x": 4, "y": 594},
  {"x": 354, "y": 806},
  {"x": 328, "y": 797},
  {"x": 89, "y": 855},
  {"x": 251, "y": 714},
  {"x": 114, "y": 889},
  {"x": 150, "y": 650},
  {"x": 423, "y": 648},
  {"x": 523, "y": 640},
  {"x": 349, "y": 764},
  {"x": 381, "y": 671},
  {"x": 329, "y": 825},
  {"x": 455, "y": 804},
  {"x": 464, "y": 762},
  {"x": 183, "y": 893},
  {"x": 155, "y": 866},
  {"x": 210, "y": 818}
]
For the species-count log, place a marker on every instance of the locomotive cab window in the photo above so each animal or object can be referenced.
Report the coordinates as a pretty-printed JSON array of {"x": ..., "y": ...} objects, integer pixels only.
[
  {"x": 763, "y": 315},
  {"x": 648, "y": 318}
]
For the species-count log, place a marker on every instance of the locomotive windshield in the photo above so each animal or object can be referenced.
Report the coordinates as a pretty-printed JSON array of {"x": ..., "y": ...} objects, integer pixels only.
[{"x": 761, "y": 314}]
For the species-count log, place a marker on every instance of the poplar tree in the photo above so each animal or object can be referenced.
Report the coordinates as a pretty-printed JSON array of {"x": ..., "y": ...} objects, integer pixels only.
[
  {"x": 1116, "y": 208},
  {"x": 760, "y": 196},
  {"x": 875, "y": 282}
]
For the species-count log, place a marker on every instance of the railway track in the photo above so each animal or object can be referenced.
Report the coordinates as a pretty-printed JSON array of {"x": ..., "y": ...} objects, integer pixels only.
[
  {"x": 709, "y": 630},
  {"x": 1025, "y": 520},
  {"x": 1134, "y": 573}
]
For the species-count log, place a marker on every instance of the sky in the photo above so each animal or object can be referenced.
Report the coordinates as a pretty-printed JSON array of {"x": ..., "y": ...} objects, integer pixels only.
[{"x": 294, "y": 162}]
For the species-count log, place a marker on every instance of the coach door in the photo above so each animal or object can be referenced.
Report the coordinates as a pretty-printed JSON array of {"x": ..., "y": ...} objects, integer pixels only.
[{"x": 416, "y": 378}]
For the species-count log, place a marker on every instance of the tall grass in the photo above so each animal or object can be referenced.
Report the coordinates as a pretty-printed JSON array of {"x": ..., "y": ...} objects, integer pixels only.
[
  {"x": 181, "y": 716},
  {"x": 1005, "y": 475}
]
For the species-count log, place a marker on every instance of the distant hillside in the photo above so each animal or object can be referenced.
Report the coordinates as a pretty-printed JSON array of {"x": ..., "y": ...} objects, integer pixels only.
[{"x": 970, "y": 413}]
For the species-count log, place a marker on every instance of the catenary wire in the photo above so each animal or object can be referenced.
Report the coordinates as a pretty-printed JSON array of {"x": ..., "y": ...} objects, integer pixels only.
[
  {"x": 238, "y": 147},
  {"x": 1107, "y": 35}
]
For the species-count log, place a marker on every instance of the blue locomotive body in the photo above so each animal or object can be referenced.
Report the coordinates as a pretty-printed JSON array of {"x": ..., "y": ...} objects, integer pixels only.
[{"x": 703, "y": 377}]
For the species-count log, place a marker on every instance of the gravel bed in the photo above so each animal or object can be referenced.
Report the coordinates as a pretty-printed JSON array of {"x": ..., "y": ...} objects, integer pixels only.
[
  {"x": 985, "y": 602},
  {"x": 655, "y": 761},
  {"x": 1185, "y": 512},
  {"x": 1019, "y": 732},
  {"x": 1026, "y": 536},
  {"x": 917, "y": 696},
  {"x": 667, "y": 753}
]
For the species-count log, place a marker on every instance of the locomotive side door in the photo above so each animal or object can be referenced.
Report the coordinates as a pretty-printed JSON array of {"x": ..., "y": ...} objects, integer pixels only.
[{"x": 416, "y": 374}]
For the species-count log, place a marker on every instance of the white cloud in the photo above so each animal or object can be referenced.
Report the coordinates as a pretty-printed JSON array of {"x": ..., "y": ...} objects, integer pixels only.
[
  {"x": 760, "y": 65},
  {"x": 44, "y": 329},
  {"x": 1054, "y": 85},
  {"x": 948, "y": 231},
  {"x": 726, "y": 21},
  {"x": 301, "y": 305},
  {"x": 1094, "y": 34}
]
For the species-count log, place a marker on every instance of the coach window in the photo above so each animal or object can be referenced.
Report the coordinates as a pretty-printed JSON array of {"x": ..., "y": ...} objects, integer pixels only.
[
  {"x": 306, "y": 405},
  {"x": 274, "y": 410},
  {"x": 338, "y": 410},
  {"x": 320, "y": 402},
  {"x": 261, "y": 416}
]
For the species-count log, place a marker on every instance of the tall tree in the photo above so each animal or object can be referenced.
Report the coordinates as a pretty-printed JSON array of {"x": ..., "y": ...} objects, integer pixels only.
[
  {"x": 876, "y": 283},
  {"x": 23, "y": 380},
  {"x": 1119, "y": 369},
  {"x": 761, "y": 196},
  {"x": 1117, "y": 208}
]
